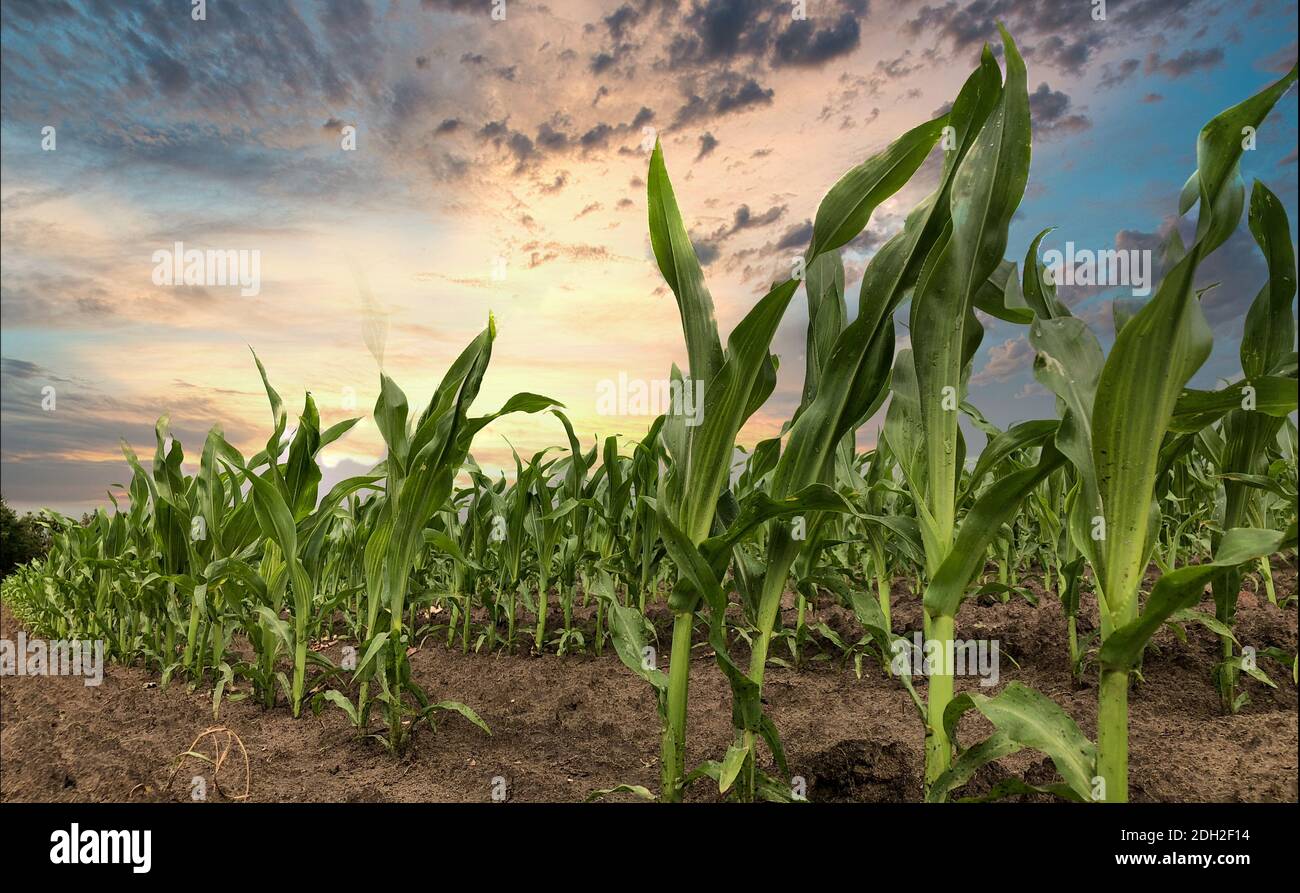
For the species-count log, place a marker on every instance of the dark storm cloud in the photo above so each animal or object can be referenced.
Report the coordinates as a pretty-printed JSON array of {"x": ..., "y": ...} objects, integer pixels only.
[
  {"x": 722, "y": 29},
  {"x": 602, "y": 62},
  {"x": 796, "y": 235},
  {"x": 1185, "y": 63},
  {"x": 1063, "y": 35},
  {"x": 597, "y": 136},
  {"x": 1049, "y": 110},
  {"x": 731, "y": 30},
  {"x": 721, "y": 98},
  {"x": 620, "y": 19},
  {"x": 516, "y": 143},
  {"x": 708, "y": 142},
  {"x": 453, "y": 5},
  {"x": 172, "y": 77},
  {"x": 1067, "y": 55},
  {"x": 706, "y": 251},
  {"x": 804, "y": 44},
  {"x": 259, "y": 62},
  {"x": 551, "y": 140},
  {"x": 742, "y": 219}
]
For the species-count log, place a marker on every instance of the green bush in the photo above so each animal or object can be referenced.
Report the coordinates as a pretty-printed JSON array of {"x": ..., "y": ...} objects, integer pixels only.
[{"x": 21, "y": 539}]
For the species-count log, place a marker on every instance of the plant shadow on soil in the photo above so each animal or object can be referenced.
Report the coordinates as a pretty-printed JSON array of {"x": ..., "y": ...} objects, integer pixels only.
[{"x": 565, "y": 726}]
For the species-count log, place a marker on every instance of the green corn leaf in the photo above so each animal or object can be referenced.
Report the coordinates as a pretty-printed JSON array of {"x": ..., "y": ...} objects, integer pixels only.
[
  {"x": 1269, "y": 334},
  {"x": 340, "y": 700},
  {"x": 1272, "y": 396},
  {"x": 986, "y": 191},
  {"x": 1021, "y": 436},
  {"x": 458, "y": 707},
  {"x": 968, "y": 762},
  {"x": 1026, "y": 718},
  {"x": 373, "y": 650},
  {"x": 1181, "y": 589},
  {"x": 759, "y": 507},
  {"x": 986, "y": 517},
  {"x": 847, "y": 207},
  {"x": 1139, "y": 386},
  {"x": 628, "y": 627},
  {"x": 726, "y": 401},
  {"x": 731, "y": 765},
  {"x": 1039, "y": 294},
  {"x": 681, "y": 270}
]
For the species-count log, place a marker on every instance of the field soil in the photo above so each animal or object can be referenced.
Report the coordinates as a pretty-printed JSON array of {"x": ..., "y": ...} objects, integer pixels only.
[{"x": 565, "y": 726}]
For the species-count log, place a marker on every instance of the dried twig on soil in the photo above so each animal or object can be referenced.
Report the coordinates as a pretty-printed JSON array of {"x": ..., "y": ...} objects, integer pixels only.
[{"x": 217, "y": 760}]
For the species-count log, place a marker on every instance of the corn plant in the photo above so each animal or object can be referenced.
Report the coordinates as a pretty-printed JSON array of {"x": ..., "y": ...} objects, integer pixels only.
[
  {"x": 1118, "y": 458},
  {"x": 1267, "y": 351},
  {"x": 419, "y": 472}
]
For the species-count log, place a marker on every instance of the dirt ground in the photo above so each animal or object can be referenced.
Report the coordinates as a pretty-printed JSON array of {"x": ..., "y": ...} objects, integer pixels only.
[{"x": 565, "y": 726}]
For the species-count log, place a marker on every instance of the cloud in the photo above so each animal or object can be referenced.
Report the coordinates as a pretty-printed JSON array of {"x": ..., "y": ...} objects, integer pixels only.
[
  {"x": 803, "y": 44},
  {"x": 227, "y": 134},
  {"x": 1061, "y": 35},
  {"x": 1050, "y": 112},
  {"x": 1185, "y": 63},
  {"x": 731, "y": 95},
  {"x": 1281, "y": 61},
  {"x": 796, "y": 236},
  {"x": 708, "y": 142},
  {"x": 1005, "y": 361},
  {"x": 1115, "y": 74}
]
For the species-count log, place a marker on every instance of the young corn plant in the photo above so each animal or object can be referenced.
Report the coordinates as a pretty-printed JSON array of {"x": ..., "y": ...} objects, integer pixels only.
[
  {"x": 1268, "y": 369},
  {"x": 698, "y": 517},
  {"x": 928, "y": 380},
  {"x": 701, "y": 521},
  {"x": 1116, "y": 412},
  {"x": 419, "y": 472},
  {"x": 736, "y": 383},
  {"x": 846, "y": 384}
]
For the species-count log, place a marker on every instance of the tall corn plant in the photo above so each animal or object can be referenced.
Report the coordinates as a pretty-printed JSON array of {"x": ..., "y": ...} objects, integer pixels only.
[
  {"x": 419, "y": 470},
  {"x": 928, "y": 381},
  {"x": 1267, "y": 364},
  {"x": 850, "y": 380},
  {"x": 1117, "y": 411},
  {"x": 736, "y": 383},
  {"x": 700, "y": 520},
  {"x": 292, "y": 522}
]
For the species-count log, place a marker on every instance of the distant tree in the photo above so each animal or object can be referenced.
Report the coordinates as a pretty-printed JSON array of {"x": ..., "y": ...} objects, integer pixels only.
[{"x": 21, "y": 539}]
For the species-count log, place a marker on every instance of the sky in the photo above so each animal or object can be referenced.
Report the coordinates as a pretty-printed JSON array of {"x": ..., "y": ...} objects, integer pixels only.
[{"x": 404, "y": 167}]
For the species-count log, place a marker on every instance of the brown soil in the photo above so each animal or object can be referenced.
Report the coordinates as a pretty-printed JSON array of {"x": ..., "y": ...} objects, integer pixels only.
[{"x": 565, "y": 726}]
